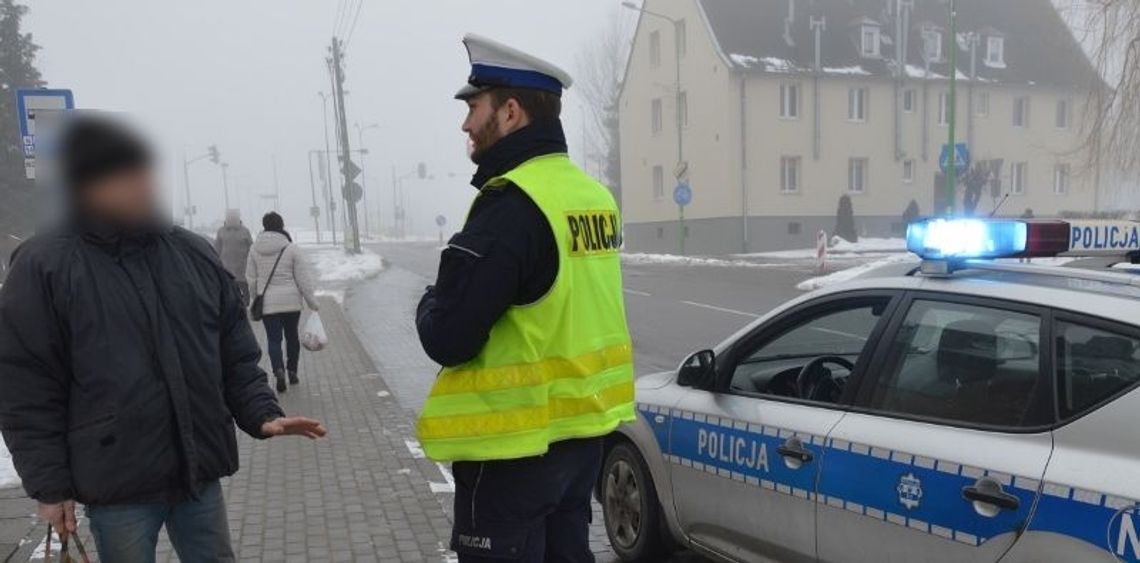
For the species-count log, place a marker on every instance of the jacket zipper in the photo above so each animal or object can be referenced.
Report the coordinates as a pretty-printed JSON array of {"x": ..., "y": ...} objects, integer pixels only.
[
  {"x": 465, "y": 249},
  {"x": 474, "y": 492}
]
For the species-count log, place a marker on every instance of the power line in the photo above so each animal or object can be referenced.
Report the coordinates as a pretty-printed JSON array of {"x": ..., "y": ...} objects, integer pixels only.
[
  {"x": 339, "y": 15},
  {"x": 355, "y": 19}
]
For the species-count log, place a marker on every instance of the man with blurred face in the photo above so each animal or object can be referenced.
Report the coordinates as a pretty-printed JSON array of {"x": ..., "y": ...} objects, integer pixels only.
[
  {"x": 528, "y": 319},
  {"x": 125, "y": 360}
]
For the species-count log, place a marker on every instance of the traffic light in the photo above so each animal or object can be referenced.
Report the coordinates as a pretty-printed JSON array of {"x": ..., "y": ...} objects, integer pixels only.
[{"x": 215, "y": 156}]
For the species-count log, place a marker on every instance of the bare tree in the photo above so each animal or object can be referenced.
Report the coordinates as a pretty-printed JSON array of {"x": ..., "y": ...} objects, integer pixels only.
[
  {"x": 600, "y": 70},
  {"x": 1110, "y": 33}
]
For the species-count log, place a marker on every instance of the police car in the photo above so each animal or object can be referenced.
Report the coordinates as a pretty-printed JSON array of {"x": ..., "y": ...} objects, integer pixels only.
[{"x": 973, "y": 409}]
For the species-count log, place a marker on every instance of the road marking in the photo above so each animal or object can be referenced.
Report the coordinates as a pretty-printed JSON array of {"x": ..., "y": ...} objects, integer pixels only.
[
  {"x": 838, "y": 333},
  {"x": 641, "y": 293},
  {"x": 722, "y": 309},
  {"x": 448, "y": 485}
]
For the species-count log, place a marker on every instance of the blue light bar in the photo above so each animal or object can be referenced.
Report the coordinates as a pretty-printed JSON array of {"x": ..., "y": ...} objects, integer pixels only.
[{"x": 965, "y": 239}]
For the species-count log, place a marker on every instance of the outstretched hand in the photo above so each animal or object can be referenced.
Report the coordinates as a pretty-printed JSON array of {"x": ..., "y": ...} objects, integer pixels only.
[{"x": 294, "y": 426}]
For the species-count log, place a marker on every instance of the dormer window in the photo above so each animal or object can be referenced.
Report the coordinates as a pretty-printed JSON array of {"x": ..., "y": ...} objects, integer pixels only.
[
  {"x": 932, "y": 44},
  {"x": 995, "y": 51},
  {"x": 870, "y": 40}
]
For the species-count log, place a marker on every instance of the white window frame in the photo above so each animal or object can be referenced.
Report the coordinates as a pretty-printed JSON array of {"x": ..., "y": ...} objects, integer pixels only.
[
  {"x": 790, "y": 101},
  {"x": 910, "y": 100},
  {"x": 932, "y": 45},
  {"x": 1062, "y": 179},
  {"x": 1064, "y": 114},
  {"x": 870, "y": 40},
  {"x": 657, "y": 116},
  {"x": 1021, "y": 118},
  {"x": 857, "y": 183},
  {"x": 791, "y": 178},
  {"x": 683, "y": 104},
  {"x": 995, "y": 51},
  {"x": 982, "y": 104},
  {"x": 682, "y": 38},
  {"x": 857, "y": 104},
  {"x": 1018, "y": 178},
  {"x": 655, "y": 49},
  {"x": 909, "y": 166},
  {"x": 943, "y": 109},
  {"x": 658, "y": 183}
]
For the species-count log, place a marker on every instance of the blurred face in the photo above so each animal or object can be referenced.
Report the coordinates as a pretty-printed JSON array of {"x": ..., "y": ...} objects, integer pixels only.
[
  {"x": 486, "y": 125},
  {"x": 128, "y": 197}
]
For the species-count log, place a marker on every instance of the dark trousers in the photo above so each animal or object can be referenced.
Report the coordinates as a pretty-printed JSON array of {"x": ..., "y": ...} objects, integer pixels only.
[
  {"x": 531, "y": 510},
  {"x": 280, "y": 325}
]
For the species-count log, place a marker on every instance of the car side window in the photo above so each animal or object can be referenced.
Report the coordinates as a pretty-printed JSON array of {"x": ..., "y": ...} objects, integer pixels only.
[
  {"x": 1093, "y": 366},
  {"x": 814, "y": 357},
  {"x": 967, "y": 364}
]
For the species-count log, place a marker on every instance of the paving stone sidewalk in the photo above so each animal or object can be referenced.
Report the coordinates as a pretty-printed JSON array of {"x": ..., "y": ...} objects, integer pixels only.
[{"x": 361, "y": 495}]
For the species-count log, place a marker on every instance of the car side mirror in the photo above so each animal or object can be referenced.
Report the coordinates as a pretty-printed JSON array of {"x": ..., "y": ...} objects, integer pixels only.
[{"x": 698, "y": 371}]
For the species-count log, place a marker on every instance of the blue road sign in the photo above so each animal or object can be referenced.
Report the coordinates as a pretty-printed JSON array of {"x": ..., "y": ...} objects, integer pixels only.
[
  {"x": 961, "y": 158},
  {"x": 28, "y": 101},
  {"x": 440, "y": 220},
  {"x": 683, "y": 194}
]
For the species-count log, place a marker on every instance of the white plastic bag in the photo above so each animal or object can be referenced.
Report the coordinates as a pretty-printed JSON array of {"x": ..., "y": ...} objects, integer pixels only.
[{"x": 314, "y": 338}]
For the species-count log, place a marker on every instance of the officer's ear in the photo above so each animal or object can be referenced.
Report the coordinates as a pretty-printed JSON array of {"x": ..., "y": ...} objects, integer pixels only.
[{"x": 512, "y": 116}]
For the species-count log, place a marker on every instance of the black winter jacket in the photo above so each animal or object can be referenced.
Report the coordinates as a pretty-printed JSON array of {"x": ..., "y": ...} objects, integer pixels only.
[{"x": 124, "y": 362}]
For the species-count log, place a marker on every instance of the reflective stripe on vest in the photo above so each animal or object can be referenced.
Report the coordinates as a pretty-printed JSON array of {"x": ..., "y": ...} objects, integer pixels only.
[{"x": 556, "y": 369}]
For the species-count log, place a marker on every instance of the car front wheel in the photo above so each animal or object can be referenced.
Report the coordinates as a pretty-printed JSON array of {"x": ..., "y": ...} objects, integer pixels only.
[{"x": 632, "y": 512}]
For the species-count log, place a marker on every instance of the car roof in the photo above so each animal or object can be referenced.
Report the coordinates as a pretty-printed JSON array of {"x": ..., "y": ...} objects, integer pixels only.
[{"x": 1108, "y": 294}]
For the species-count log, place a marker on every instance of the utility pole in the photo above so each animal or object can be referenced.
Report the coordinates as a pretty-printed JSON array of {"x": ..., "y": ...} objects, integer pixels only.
[
  {"x": 952, "y": 170},
  {"x": 314, "y": 210},
  {"x": 189, "y": 211},
  {"x": 276, "y": 188},
  {"x": 328, "y": 170},
  {"x": 363, "y": 180},
  {"x": 352, "y": 190},
  {"x": 226, "y": 183}
]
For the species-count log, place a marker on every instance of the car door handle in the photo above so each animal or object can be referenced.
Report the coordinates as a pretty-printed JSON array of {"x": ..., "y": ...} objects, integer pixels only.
[
  {"x": 1000, "y": 499},
  {"x": 795, "y": 452}
]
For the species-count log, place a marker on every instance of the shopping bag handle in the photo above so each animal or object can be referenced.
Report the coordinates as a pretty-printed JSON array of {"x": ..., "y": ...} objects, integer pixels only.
[{"x": 64, "y": 551}]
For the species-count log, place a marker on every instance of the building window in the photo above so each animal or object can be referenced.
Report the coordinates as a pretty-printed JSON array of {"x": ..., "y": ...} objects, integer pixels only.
[
  {"x": 943, "y": 109},
  {"x": 658, "y": 182},
  {"x": 682, "y": 39},
  {"x": 909, "y": 97},
  {"x": 1018, "y": 176},
  {"x": 795, "y": 228},
  {"x": 982, "y": 104},
  {"x": 908, "y": 171},
  {"x": 995, "y": 52},
  {"x": 1061, "y": 178},
  {"x": 1063, "y": 114},
  {"x": 655, "y": 49},
  {"x": 1021, "y": 111},
  {"x": 656, "y": 116},
  {"x": 790, "y": 101},
  {"x": 932, "y": 45},
  {"x": 683, "y": 105},
  {"x": 660, "y": 232},
  {"x": 870, "y": 41},
  {"x": 857, "y": 175},
  {"x": 857, "y": 104},
  {"x": 790, "y": 174}
]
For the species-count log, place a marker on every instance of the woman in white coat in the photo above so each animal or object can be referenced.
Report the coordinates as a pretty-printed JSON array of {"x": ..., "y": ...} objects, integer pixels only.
[{"x": 285, "y": 293}]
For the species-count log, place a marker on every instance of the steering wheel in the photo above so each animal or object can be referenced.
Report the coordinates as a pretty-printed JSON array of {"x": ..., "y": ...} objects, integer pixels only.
[{"x": 812, "y": 375}]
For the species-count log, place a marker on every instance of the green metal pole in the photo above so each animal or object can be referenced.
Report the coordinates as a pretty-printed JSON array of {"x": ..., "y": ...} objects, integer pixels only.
[
  {"x": 681, "y": 229},
  {"x": 952, "y": 171}
]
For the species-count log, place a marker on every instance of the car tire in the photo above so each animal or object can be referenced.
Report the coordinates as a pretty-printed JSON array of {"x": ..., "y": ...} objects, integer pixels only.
[{"x": 634, "y": 523}]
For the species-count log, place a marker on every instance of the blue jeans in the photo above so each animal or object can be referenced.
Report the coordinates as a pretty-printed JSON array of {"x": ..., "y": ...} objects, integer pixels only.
[
  {"x": 198, "y": 529},
  {"x": 285, "y": 325}
]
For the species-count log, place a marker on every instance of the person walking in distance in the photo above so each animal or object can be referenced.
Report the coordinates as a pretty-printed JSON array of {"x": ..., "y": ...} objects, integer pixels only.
[
  {"x": 125, "y": 360},
  {"x": 278, "y": 272},
  {"x": 232, "y": 243},
  {"x": 527, "y": 316}
]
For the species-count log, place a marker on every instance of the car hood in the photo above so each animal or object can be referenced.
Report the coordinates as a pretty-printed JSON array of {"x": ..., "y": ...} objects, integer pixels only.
[{"x": 656, "y": 380}]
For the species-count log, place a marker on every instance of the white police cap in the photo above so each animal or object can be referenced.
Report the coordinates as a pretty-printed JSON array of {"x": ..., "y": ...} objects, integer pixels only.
[{"x": 494, "y": 65}]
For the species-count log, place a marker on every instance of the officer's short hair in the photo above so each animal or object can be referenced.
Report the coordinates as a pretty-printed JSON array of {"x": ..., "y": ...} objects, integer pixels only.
[{"x": 539, "y": 105}]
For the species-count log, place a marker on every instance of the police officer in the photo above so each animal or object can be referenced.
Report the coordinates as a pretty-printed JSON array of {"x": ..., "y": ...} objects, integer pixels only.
[{"x": 528, "y": 319}]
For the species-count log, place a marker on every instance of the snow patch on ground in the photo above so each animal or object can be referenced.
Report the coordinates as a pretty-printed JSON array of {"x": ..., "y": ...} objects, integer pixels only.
[
  {"x": 333, "y": 264},
  {"x": 839, "y": 246},
  {"x": 675, "y": 260},
  {"x": 8, "y": 477},
  {"x": 849, "y": 274}
]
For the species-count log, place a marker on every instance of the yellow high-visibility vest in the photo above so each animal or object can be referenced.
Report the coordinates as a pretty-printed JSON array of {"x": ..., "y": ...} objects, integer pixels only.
[{"x": 557, "y": 369}]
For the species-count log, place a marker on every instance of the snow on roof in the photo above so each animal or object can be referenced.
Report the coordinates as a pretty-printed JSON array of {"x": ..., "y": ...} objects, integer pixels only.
[{"x": 849, "y": 70}]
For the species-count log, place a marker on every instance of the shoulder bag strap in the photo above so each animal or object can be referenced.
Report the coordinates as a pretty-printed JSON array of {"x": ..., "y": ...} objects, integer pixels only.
[{"x": 273, "y": 271}]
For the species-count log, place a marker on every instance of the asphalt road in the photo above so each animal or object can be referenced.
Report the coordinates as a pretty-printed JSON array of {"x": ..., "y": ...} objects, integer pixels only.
[{"x": 673, "y": 309}]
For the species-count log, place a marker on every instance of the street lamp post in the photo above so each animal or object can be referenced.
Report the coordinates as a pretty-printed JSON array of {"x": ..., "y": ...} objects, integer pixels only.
[
  {"x": 952, "y": 169},
  {"x": 681, "y": 168},
  {"x": 190, "y": 211},
  {"x": 226, "y": 183},
  {"x": 363, "y": 182},
  {"x": 328, "y": 169}
]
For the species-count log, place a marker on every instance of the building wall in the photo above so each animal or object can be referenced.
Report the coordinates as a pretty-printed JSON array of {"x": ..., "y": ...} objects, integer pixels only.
[{"x": 735, "y": 160}]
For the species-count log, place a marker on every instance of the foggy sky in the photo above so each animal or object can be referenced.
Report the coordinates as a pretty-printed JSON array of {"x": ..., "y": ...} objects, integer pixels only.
[{"x": 244, "y": 74}]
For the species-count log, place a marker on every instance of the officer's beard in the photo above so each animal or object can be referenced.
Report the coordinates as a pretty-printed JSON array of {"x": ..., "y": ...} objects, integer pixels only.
[{"x": 484, "y": 138}]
